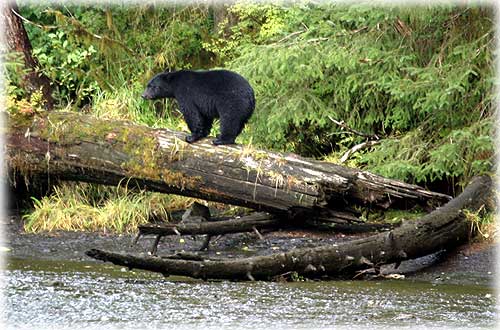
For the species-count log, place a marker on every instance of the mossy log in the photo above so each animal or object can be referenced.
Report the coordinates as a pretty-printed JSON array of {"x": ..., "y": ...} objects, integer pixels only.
[
  {"x": 444, "y": 228},
  {"x": 74, "y": 146}
]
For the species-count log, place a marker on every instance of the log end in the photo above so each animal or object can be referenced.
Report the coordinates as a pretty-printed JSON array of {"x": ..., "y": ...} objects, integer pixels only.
[{"x": 95, "y": 254}]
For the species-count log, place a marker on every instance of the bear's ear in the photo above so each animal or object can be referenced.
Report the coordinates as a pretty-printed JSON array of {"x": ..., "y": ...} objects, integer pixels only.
[{"x": 165, "y": 76}]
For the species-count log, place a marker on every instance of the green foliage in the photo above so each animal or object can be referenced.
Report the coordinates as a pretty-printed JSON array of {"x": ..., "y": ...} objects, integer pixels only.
[
  {"x": 126, "y": 103},
  {"x": 67, "y": 67},
  {"x": 14, "y": 69},
  {"x": 462, "y": 153},
  {"x": 419, "y": 77},
  {"x": 388, "y": 71},
  {"x": 88, "y": 49},
  {"x": 256, "y": 23},
  {"x": 483, "y": 222}
]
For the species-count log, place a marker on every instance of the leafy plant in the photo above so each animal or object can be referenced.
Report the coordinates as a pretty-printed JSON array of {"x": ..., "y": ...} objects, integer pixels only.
[
  {"x": 370, "y": 68},
  {"x": 67, "y": 67}
]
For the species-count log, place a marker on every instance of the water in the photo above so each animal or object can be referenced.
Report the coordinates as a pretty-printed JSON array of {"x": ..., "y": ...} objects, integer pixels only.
[{"x": 70, "y": 295}]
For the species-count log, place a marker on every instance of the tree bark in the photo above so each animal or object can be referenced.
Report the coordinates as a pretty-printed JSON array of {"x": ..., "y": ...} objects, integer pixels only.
[
  {"x": 444, "y": 228},
  {"x": 72, "y": 146},
  {"x": 18, "y": 42}
]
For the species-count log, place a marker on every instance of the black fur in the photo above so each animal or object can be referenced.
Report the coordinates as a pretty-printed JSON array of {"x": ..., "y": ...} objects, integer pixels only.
[{"x": 204, "y": 96}]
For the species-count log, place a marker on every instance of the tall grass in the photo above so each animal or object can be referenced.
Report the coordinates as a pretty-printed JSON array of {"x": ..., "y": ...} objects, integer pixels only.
[{"x": 82, "y": 206}]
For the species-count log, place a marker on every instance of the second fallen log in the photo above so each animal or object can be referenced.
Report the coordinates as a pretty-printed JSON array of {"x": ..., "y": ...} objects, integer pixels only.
[
  {"x": 444, "y": 228},
  {"x": 246, "y": 223}
]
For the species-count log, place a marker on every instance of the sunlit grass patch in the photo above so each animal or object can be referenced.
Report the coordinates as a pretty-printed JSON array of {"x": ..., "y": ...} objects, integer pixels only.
[
  {"x": 484, "y": 224},
  {"x": 395, "y": 216},
  {"x": 87, "y": 207}
]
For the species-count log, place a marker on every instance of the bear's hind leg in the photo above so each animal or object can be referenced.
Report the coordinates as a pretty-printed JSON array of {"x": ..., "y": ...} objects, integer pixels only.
[
  {"x": 229, "y": 130},
  {"x": 207, "y": 125}
]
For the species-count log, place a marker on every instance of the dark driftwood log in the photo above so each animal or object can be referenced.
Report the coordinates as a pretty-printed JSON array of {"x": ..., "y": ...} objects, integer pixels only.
[
  {"x": 258, "y": 220},
  {"x": 253, "y": 222},
  {"x": 444, "y": 228},
  {"x": 72, "y": 146},
  {"x": 246, "y": 223}
]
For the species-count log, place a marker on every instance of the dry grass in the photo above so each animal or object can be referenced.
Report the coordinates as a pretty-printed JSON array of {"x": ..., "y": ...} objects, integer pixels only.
[{"x": 87, "y": 207}]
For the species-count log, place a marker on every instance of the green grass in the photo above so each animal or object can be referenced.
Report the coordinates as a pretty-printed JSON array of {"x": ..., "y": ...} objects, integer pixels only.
[
  {"x": 395, "y": 216},
  {"x": 483, "y": 222},
  {"x": 126, "y": 103},
  {"x": 89, "y": 207}
]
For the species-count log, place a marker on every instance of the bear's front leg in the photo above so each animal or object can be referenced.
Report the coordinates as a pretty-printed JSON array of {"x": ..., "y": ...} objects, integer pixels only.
[{"x": 195, "y": 123}]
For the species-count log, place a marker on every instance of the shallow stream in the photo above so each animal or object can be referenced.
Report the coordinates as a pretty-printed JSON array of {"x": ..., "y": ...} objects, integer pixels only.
[{"x": 70, "y": 295}]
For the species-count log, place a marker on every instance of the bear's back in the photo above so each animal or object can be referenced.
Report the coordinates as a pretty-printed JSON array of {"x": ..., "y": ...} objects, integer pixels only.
[{"x": 214, "y": 82}]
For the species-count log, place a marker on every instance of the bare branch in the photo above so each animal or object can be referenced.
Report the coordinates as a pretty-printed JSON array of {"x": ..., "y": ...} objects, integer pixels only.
[
  {"x": 358, "y": 147},
  {"x": 344, "y": 126}
]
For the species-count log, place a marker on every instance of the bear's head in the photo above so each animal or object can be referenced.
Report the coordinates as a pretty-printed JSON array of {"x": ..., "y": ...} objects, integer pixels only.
[{"x": 159, "y": 87}]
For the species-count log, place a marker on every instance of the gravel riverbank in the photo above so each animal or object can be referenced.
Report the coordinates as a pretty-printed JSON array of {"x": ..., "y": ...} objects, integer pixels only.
[{"x": 470, "y": 264}]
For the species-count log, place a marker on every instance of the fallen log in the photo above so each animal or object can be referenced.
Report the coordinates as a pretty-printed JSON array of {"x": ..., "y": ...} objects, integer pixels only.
[
  {"x": 73, "y": 146},
  {"x": 444, "y": 228},
  {"x": 248, "y": 223},
  {"x": 251, "y": 223},
  {"x": 243, "y": 224},
  {"x": 259, "y": 220}
]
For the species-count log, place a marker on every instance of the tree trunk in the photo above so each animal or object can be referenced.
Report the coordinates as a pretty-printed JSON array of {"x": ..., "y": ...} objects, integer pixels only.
[
  {"x": 444, "y": 228},
  {"x": 72, "y": 146},
  {"x": 17, "y": 42}
]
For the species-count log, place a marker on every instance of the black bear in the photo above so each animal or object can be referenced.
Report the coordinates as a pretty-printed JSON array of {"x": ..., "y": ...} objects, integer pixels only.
[{"x": 205, "y": 95}]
